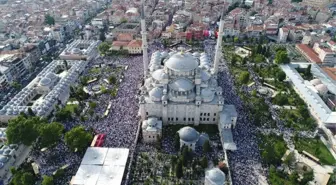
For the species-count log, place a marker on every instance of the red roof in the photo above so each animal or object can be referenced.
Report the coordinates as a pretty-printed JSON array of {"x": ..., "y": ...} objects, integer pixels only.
[
  {"x": 135, "y": 43},
  {"x": 119, "y": 43},
  {"x": 309, "y": 52}
]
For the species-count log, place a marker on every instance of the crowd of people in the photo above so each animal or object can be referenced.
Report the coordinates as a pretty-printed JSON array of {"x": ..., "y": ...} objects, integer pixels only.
[{"x": 245, "y": 163}]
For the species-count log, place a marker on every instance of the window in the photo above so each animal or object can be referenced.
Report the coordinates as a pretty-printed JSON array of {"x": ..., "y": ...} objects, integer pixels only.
[
  {"x": 214, "y": 119},
  {"x": 207, "y": 119},
  {"x": 176, "y": 119},
  {"x": 148, "y": 136},
  {"x": 192, "y": 119},
  {"x": 188, "y": 119},
  {"x": 160, "y": 118},
  {"x": 203, "y": 119},
  {"x": 184, "y": 119},
  {"x": 214, "y": 114},
  {"x": 208, "y": 114},
  {"x": 147, "y": 113},
  {"x": 168, "y": 119},
  {"x": 201, "y": 114}
]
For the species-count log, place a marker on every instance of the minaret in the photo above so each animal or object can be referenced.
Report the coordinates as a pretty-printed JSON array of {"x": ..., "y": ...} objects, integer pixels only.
[
  {"x": 219, "y": 44},
  {"x": 144, "y": 40}
]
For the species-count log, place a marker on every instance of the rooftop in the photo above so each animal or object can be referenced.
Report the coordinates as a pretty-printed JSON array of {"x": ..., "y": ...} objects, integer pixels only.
[{"x": 309, "y": 52}]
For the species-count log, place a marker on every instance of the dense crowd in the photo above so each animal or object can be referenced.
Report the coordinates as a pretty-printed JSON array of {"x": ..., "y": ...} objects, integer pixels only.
[{"x": 245, "y": 162}]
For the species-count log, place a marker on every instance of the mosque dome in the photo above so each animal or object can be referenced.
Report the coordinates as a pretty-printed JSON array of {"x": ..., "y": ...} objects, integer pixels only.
[
  {"x": 181, "y": 62},
  {"x": 45, "y": 81},
  {"x": 205, "y": 75},
  {"x": 151, "y": 122},
  {"x": 158, "y": 74},
  {"x": 76, "y": 51},
  {"x": 164, "y": 54},
  {"x": 321, "y": 88},
  {"x": 315, "y": 81},
  {"x": 202, "y": 138},
  {"x": 207, "y": 94},
  {"x": 51, "y": 75},
  {"x": 216, "y": 176},
  {"x": 188, "y": 134},
  {"x": 3, "y": 159},
  {"x": 181, "y": 85},
  {"x": 156, "y": 94}
]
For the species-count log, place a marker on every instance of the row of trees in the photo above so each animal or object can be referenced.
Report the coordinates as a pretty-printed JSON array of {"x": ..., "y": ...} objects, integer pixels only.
[{"x": 27, "y": 130}]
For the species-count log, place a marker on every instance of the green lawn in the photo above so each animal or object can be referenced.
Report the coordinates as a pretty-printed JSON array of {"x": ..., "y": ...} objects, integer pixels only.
[
  {"x": 94, "y": 70},
  {"x": 316, "y": 148},
  {"x": 71, "y": 107}
]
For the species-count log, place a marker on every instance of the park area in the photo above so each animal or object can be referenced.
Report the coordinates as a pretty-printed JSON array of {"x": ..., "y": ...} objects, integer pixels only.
[
  {"x": 165, "y": 163},
  {"x": 316, "y": 148}
]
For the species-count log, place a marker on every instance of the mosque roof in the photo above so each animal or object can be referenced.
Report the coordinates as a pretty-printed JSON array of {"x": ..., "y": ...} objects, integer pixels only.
[
  {"x": 188, "y": 134},
  {"x": 156, "y": 94},
  {"x": 45, "y": 81},
  {"x": 321, "y": 88},
  {"x": 158, "y": 74},
  {"x": 216, "y": 176},
  {"x": 181, "y": 62},
  {"x": 181, "y": 84},
  {"x": 315, "y": 81}
]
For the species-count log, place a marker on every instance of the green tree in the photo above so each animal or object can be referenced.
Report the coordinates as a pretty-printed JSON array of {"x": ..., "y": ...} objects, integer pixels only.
[
  {"x": 308, "y": 71},
  {"x": 63, "y": 115},
  {"x": 30, "y": 112},
  {"x": 23, "y": 130},
  {"x": 280, "y": 99},
  {"x": 77, "y": 138},
  {"x": 92, "y": 105},
  {"x": 179, "y": 169},
  {"x": 103, "y": 48},
  {"x": 49, "y": 20},
  {"x": 281, "y": 76},
  {"x": 27, "y": 179},
  {"x": 307, "y": 177},
  {"x": 16, "y": 85},
  {"x": 47, "y": 180},
  {"x": 50, "y": 134},
  {"x": 281, "y": 57},
  {"x": 204, "y": 162},
  {"x": 233, "y": 60},
  {"x": 112, "y": 79},
  {"x": 259, "y": 58},
  {"x": 244, "y": 77},
  {"x": 102, "y": 36},
  {"x": 206, "y": 146},
  {"x": 177, "y": 142}
]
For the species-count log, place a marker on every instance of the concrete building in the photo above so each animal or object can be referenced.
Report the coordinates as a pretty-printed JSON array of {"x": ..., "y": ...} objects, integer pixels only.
[
  {"x": 318, "y": 54},
  {"x": 184, "y": 90},
  {"x": 49, "y": 88},
  {"x": 151, "y": 130},
  {"x": 283, "y": 35},
  {"x": 317, "y": 3},
  {"x": 80, "y": 50}
]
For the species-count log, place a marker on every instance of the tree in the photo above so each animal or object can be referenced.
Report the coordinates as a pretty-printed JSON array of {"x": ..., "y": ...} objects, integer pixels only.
[
  {"x": 235, "y": 39},
  {"x": 204, "y": 162},
  {"x": 184, "y": 155},
  {"x": 123, "y": 20},
  {"x": 92, "y": 105},
  {"x": 30, "y": 112},
  {"x": 308, "y": 71},
  {"x": 308, "y": 176},
  {"x": 112, "y": 79},
  {"x": 233, "y": 60},
  {"x": 290, "y": 159},
  {"x": 281, "y": 76},
  {"x": 65, "y": 63},
  {"x": 27, "y": 179},
  {"x": 244, "y": 77},
  {"x": 23, "y": 130},
  {"x": 206, "y": 146},
  {"x": 259, "y": 58},
  {"x": 179, "y": 169},
  {"x": 50, "y": 134},
  {"x": 177, "y": 142},
  {"x": 49, "y": 20},
  {"x": 103, "y": 48},
  {"x": 16, "y": 85},
  {"x": 280, "y": 99},
  {"x": 47, "y": 180},
  {"x": 281, "y": 57},
  {"x": 102, "y": 36},
  {"x": 63, "y": 115},
  {"x": 77, "y": 138}
]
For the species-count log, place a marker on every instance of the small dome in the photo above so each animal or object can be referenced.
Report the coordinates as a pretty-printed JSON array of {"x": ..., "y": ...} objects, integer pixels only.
[
  {"x": 203, "y": 137},
  {"x": 151, "y": 122},
  {"x": 321, "y": 88},
  {"x": 181, "y": 62},
  {"x": 45, "y": 81},
  {"x": 164, "y": 54},
  {"x": 215, "y": 175},
  {"x": 181, "y": 85},
  {"x": 188, "y": 134},
  {"x": 158, "y": 74},
  {"x": 76, "y": 51},
  {"x": 156, "y": 94},
  {"x": 3, "y": 159},
  {"x": 315, "y": 82},
  {"x": 205, "y": 75}
]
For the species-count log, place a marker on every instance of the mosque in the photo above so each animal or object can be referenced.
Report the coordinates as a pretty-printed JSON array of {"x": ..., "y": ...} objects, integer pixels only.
[{"x": 181, "y": 88}]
